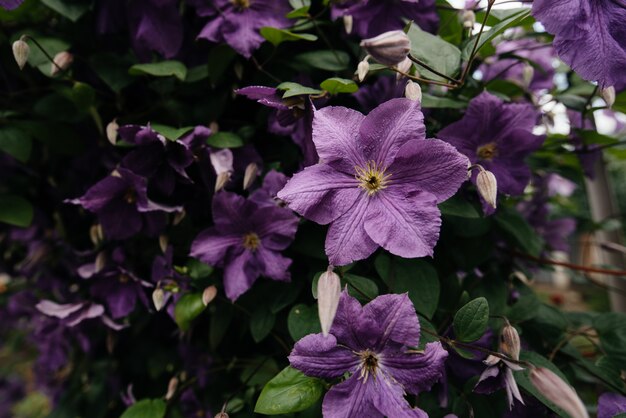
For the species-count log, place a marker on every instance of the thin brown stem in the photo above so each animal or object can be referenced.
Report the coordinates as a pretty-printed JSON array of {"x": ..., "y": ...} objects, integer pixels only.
[
  {"x": 424, "y": 80},
  {"x": 475, "y": 47},
  {"x": 432, "y": 70},
  {"x": 41, "y": 48}
]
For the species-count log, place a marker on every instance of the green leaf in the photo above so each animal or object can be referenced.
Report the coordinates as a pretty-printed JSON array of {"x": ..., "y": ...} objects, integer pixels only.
[
  {"x": 527, "y": 307},
  {"x": 38, "y": 59},
  {"x": 300, "y": 12},
  {"x": 290, "y": 391},
  {"x": 520, "y": 231},
  {"x": 488, "y": 36},
  {"x": 323, "y": 60},
  {"x": 73, "y": 10},
  {"x": 294, "y": 89},
  {"x": 277, "y": 36},
  {"x": 457, "y": 206},
  {"x": 417, "y": 277},
  {"x": 146, "y": 408},
  {"x": 16, "y": 143},
  {"x": 196, "y": 269},
  {"x": 436, "y": 102},
  {"x": 470, "y": 322},
  {"x": 435, "y": 52},
  {"x": 225, "y": 140},
  {"x": 112, "y": 69},
  {"x": 169, "y": 132},
  {"x": 261, "y": 323},
  {"x": 160, "y": 69},
  {"x": 187, "y": 308},
  {"x": 611, "y": 328},
  {"x": 303, "y": 320},
  {"x": 15, "y": 210},
  {"x": 337, "y": 85}
]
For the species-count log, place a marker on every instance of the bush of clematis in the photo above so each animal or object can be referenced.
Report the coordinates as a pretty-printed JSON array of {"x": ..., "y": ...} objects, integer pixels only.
[{"x": 307, "y": 208}]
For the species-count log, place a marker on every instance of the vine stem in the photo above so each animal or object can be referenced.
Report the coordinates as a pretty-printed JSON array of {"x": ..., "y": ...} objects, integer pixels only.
[
  {"x": 41, "y": 48},
  {"x": 432, "y": 70},
  {"x": 578, "y": 267},
  {"x": 475, "y": 47}
]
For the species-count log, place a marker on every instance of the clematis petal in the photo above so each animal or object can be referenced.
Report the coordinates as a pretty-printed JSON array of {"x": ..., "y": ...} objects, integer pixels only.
[
  {"x": 388, "y": 127},
  {"x": 321, "y": 193},
  {"x": 405, "y": 223},
  {"x": 611, "y": 404},
  {"x": 397, "y": 318},
  {"x": 346, "y": 324},
  {"x": 120, "y": 220},
  {"x": 351, "y": 398},
  {"x": 390, "y": 401},
  {"x": 273, "y": 264},
  {"x": 280, "y": 232},
  {"x": 433, "y": 165},
  {"x": 320, "y": 356},
  {"x": 210, "y": 247},
  {"x": 240, "y": 272}
]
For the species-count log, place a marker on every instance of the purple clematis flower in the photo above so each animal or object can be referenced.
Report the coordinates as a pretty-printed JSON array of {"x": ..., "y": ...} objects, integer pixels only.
[
  {"x": 499, "y": 137},
  {"x": 373, "y": 17},
  {"x": 10, "y": 4},
  {"x": 610, "y": 405},
  {"x": 237, "y": 22},
  {"x": 246, "y": 241},
  {"x": 589, "y": 35},
  {"x": 375, "y": 344},
  {"x": 379, "y": 181},
  {"x": 383, "y": 89},
  {"x": 122, "y": 205},
  {"x": 498, "y": 375},
  {"x": 272, "y": 184}
]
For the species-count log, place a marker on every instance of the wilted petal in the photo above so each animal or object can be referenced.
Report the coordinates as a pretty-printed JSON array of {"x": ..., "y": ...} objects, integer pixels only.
[{"x": 320, "y": 356}]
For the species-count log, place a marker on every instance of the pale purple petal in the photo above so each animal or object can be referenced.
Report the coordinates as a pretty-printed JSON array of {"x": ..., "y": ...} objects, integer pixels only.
[
  {"x": 211, "y": 247},
  {"x": 346, "y": 240},
  {"x": 397, "y": 319},
  {"x": 272, "y": 264},
  {"x": 417, "y": 372},
  {"x": 611, "y": 404},
  {"x": 350, "y": 399},
  {"x": 56, "y": 310},
  {"x": 239, "y": 275},
  {"x": 389, "y": 399},
  {"x": 320, "y": 356}
]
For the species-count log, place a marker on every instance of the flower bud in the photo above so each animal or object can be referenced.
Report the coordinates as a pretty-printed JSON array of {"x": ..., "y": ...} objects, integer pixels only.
[
  {"x": 347, "y": 23},
  {"x": 328, "y": 293},
  {"x": 208, "y": 295},
  {"x": 487, "y": 186},
  {"x": 250, "y": 175},
  {"x": 413, "y": 91},
  {"x": 510, "y": 342},
  {"x": 389, "y": 48},
  {"x": 171, "y": 388},
  {"x": 221, "y": 415},
  {"x": 62, "y": 62},
  {"x": 21, "y": 50},
  {"x": 557, "y": 391},
  {"x": 528, "y": 72},
  {"x": 179, "y": 216},
  {"x": 111, "y": 131},
  {"x": 221, "y": 181},
  {"x": 158, "y": 298},
  {"x": 468, "y": 18},
  {"x": 608, "y": 95},
  {"x": 95, "y": 234},
  {"x": 362, "y": 69},
  {"x": 163, "y": 241},
  {"x": 101, "y": 261}
]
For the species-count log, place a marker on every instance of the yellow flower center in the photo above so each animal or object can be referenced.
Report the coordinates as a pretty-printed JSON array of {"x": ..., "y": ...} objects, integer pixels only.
[
  {"x": 487, "y": 151},
  {"x": 372, "y": 178},
  {"x": 241, "y": 4},
  {"x": 251, "y": 241},
  {"x": 130, "y": 196},
  {"x": 369, "y": 364}
]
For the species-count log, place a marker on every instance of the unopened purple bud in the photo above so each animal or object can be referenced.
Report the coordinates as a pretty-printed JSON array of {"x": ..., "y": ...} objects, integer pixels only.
[
  {"x": 328, "y": 293},
  {"x": 389, "y": 48},
  {"x": 557, "y": 391},
  {"x": 413, "y": 91},
  {"x": 171, "y": 388},
  {"x": 362, "y": 69},
  {"x": 347, "y": 23}
]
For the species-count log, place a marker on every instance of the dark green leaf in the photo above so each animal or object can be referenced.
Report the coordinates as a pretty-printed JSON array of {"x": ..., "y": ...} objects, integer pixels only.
[
  {"x": 337, "y": 85},
  {"x": 160, "y": 69},
  {"x": 277, "y": 36},
  {"x": 488, "y": 36},
  {"x": 225, "y": 140},
  {"x": 294, "y": 89},
  {"x": 521, "y": 232},
  {"x": 360, "y": 287},
  {"x": 434, "y": 52},
  {"x": 436, "y": 102},
  {"x": 323, "y": 60},
  {"x": 457, "y": 206},
  {"x": 15, "y": 210},
  {"x": 470, "y": 322},
  {"x": 187, "y": 308},
  {"x": 300, "y": 12},
  {"x": 72, "y": 9},
  {"x": 146, "y": 408},
  {"x": 196, "y": 269},
  {"x": 112, "y": 69},
  {"x": 170, "y": 132},
  {"x": 303, "y": 320},
  {"x": 290, "y": 391},
  {"x": 15, "y": 142},
  {"x": 261, "y": 323}
]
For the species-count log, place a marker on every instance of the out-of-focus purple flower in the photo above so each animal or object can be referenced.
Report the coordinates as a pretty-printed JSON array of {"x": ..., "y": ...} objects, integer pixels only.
[
  {"x": 589, "y": 35},
  {"x": 610, "y": 405},
  {"x": 378, "y": 183},
  {"x": 237, "y": 22},
  {"x": 292, "y": 117},
  {"x": 121, "y": 203},
  {"x": 161, "y": 161},
  {"x": 373, "y": 343},
  {"x": 588, "y": 154},
  {"x": 246, "y": 240},
  {"x": 499, "y": 137},
  {"x": 519, "y": 71},
  {"x": 10, "y": 4},
  {"x": 498, "y": 375},
  {"x": 383, "y": 89},
  {"x": 272, "y": 184},
  {"x": 12, "y": 390},
  {"x": 373, "y": 17}
]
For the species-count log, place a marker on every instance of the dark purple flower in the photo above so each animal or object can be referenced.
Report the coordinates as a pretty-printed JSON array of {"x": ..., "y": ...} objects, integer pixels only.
[
  {"x": 383, "y": 89},
  {"x": 272, "y": 184},
  {"x": 237, "y": 22},
  {"x": 155, "y": 25},
  {"x": 373, "y": 17},
  {"x": 122, "y": 205},
  {"x": 375, "y": 344},
  {"x": 12, "y": 391},
  {"x": 499, "y": 137},
  {"x": 379, "y": 181},
  {"x": 589, "y": 36},
  {"x": 246, "y": 240},
  {"x": 610, "y": 405},
  {"x": 10, "y": 4},
  {"x": 519, "y": 71}
]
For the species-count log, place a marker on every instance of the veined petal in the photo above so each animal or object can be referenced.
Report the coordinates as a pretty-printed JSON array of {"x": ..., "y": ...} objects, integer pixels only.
[
  {"x": 390, "y": 401},
  {"x": 240, "y": 272},
  {"x": 397, "y": 318},
  {"x": 336, "y": 137},
  {"x": 319, "y": 356},
  {"x": 350, "y": 399},
  {"x": 211, "y": 247},
  {"x": 273, "y": 264}
]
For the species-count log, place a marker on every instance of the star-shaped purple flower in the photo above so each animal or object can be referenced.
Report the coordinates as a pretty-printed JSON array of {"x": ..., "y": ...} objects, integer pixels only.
[
  {"x": 246, "y": 240},
  {"x": 237, "y": 22},
  {"x": 589, "y": 35},
  {"x": 379, "y": 181},
  {"x": 611, "y": 404},
  {"x": 373, "y": 17},
  {"x": 499, "y": 137},
  {"x": 375, "y": 344}
]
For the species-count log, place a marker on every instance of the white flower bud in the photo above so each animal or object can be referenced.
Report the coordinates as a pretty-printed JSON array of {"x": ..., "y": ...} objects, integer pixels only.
[
  {"x": 487, "y": 186},
  {"x": 510, "y": 342},
  {"x": 208, "y": 295},
  {"x": 158, "y": 298},
  {"x": 101, "y": 261},
  {"x": 404, "y": 66},
  {"x": 179, "y": 216},
  {"x": 221, "y": 181},
  {"x": 328, "y": 293},
  {"x": 21, "y": 50},
  {"x": 95, "y": 234},
  {"x": 163, "y": 241},
  {"x": 468, "y": 18},
  {"x": 111, "y": 131},
  {"x": 347, "y": 23},
  {"x": 389, "y": 48},
  {"x": 171, "y": 388},
  {"x": 222, "y": 415},
  {"x": 608, "y": 95},
  {"x": 362, "y": 69},
  {"x": 560, "y": 393},
  {"x": 62, "y": 62},
  {"x": 528, "y": 72},
  {"x": 413, "y": 91},
  {"x": 250, "y": 175}
]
